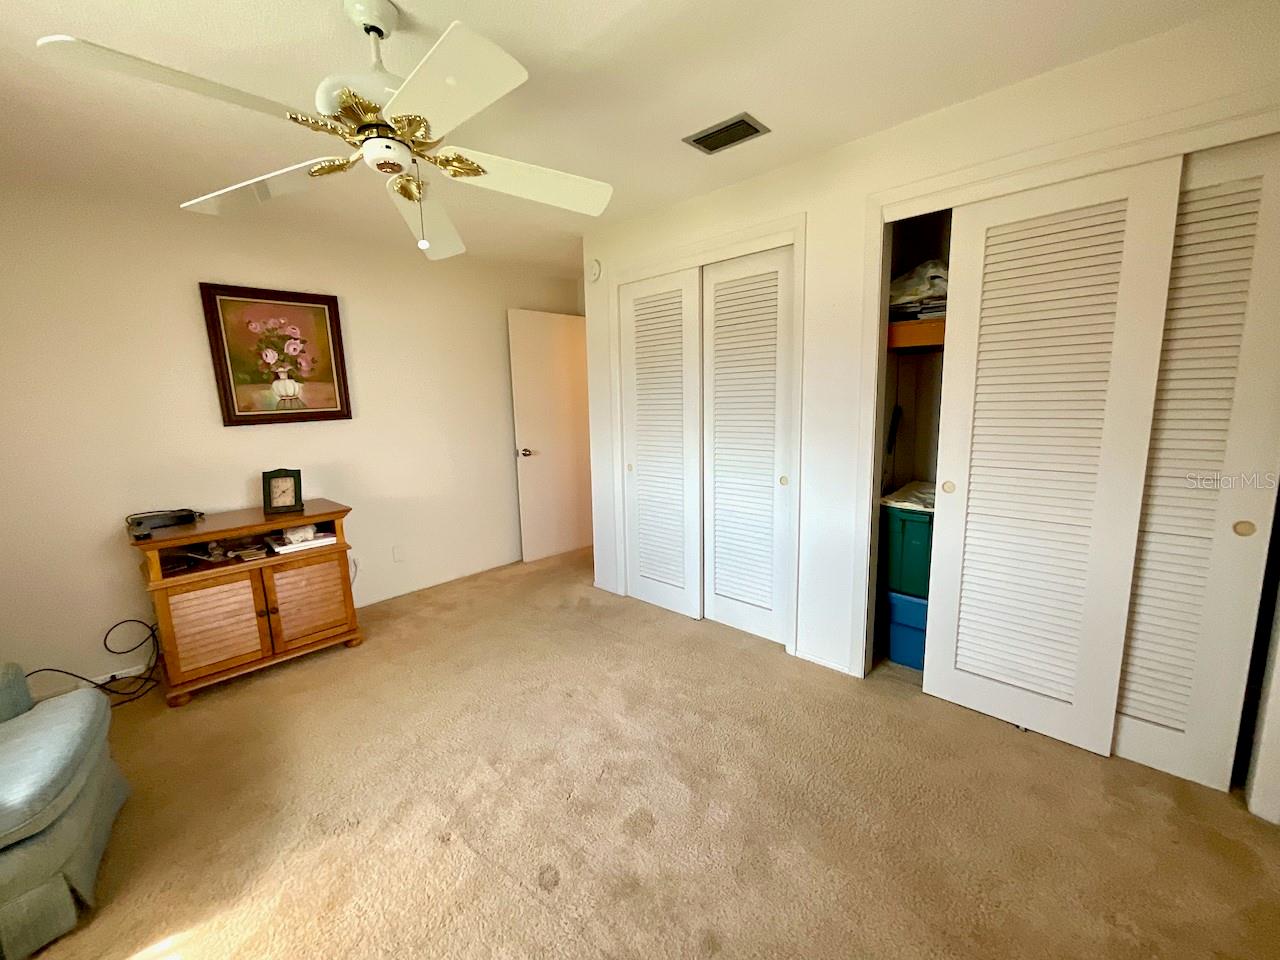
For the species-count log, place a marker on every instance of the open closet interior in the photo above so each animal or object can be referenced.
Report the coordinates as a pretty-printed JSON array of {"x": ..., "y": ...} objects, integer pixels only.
[{"x": 919, "y": 251}]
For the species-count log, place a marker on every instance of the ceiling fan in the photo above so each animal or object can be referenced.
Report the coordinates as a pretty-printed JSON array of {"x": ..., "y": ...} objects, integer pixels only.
[{"x": 395, "y": 126}]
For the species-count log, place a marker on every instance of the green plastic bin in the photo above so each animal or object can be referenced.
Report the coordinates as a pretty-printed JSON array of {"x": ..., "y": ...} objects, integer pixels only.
[{"x": 907, "y": 536}]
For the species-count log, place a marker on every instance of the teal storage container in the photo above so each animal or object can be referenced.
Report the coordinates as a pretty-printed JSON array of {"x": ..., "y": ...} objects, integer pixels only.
[
  {"x": 907, "y": 536},
  {"x": 908, "y": 617}
]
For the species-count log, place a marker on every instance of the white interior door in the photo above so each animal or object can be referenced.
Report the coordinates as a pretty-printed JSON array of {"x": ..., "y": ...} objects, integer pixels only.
[
  {"x": 1055, "y": 312},
  {"x": 662, "y": 431},
  {"x": 1210, "y": 481},
  {"x": 750, "y": 447},
  {"x": 553, "y": 447}
]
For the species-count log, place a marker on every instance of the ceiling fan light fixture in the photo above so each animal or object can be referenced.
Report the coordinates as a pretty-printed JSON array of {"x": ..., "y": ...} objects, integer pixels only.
[
  {"x": 392, "y": 126},
  {"x": 386, "y": 155}
]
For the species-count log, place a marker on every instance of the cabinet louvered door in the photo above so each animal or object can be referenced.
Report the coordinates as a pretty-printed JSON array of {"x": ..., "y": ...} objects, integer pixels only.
[
  {"x": 213, "y": 625},
  {"x": 1214, "y": 453},
  {"x": 749, "y": 443},
  {"x": 662, "y": 430},
  {"x": 308, "y": 599},
  {"x": 1055, "y": 310}
]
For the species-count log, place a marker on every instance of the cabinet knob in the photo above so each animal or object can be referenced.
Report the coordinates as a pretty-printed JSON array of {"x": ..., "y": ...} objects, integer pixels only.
[
  {"x": 948, "y": 487},
  {"x": 262, "y": 613},
  {"x": 526, "y": 452},
  {"x": 275, "y": 609},
  {"x": 1244, "y": 528}
]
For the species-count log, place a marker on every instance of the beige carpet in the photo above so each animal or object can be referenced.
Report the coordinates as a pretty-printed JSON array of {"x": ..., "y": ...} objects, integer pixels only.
[{"x": 519, "y": 765}]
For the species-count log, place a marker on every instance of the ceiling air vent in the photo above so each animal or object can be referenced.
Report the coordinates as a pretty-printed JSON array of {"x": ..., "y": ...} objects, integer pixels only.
[{"x": 726, "y": 134}]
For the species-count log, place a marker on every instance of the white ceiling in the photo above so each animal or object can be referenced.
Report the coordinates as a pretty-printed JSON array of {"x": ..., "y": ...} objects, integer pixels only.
[{"x": 614, "y": 85}]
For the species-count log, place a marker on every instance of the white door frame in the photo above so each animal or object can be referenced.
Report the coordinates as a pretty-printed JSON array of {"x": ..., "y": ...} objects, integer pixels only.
[
  {"x": 1215, "y": 124},
  {"x": 787, "y": 231}
]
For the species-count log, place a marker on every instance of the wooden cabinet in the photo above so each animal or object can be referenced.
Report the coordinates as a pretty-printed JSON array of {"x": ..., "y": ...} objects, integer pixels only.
[{"x": 222, "y": 618}]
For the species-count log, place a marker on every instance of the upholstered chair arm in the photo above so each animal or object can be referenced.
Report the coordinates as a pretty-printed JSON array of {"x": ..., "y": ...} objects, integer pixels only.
[{"x": 15, "y": 697}]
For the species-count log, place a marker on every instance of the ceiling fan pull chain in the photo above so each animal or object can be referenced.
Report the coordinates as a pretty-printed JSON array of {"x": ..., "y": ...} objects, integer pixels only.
[{"x": 423, "y": 242}]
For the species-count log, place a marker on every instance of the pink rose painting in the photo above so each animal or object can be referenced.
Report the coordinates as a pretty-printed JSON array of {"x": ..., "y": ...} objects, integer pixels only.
[{"x": 277, "y": 355}]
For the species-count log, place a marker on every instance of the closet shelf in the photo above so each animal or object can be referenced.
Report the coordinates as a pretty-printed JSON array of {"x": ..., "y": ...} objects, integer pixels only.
[{"x": 910, "y": 334}]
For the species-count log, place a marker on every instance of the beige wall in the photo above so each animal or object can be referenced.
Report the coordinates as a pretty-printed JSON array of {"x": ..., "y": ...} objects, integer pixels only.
[{"x": 109, "y": 407}]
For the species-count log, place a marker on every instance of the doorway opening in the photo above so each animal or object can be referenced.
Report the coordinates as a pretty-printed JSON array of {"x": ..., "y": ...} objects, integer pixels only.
[{"x": 918, "y": 251}]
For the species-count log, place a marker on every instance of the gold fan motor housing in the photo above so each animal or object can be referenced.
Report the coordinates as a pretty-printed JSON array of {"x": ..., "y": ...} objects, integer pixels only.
[{"x": 389, "y": 145}]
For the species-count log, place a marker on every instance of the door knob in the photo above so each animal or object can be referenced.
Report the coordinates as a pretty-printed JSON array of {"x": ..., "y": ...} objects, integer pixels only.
[{"x": 526, "y": 452}]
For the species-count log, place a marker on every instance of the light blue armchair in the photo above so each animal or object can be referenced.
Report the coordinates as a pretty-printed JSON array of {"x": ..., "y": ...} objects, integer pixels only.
[{"x": 59, "y": 794}]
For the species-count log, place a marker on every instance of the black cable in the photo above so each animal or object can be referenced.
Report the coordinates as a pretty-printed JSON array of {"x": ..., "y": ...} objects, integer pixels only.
[{"x": 139, "y": 685}]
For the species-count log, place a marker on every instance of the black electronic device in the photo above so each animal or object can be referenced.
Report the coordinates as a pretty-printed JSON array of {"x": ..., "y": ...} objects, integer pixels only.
[{"x": 141, "y": 524}]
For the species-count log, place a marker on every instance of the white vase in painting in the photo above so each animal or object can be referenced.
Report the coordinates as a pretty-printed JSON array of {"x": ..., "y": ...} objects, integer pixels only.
[{"x": 288, "y": 392}]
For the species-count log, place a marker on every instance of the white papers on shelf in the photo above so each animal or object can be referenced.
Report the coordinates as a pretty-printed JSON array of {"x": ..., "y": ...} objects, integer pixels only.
[{"x": 280, "y": 545}]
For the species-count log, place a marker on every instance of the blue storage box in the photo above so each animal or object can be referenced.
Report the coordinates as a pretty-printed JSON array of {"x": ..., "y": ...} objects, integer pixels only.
[{"x": 907, "y": 617}]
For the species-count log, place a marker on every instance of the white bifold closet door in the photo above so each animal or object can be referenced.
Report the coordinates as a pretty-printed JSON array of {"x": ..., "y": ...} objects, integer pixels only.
[
  {"x": 1055, "y": 312},
  {"x": 662, "y": 439},
  {"x": 1210, "y": 478},
  {"x": 750, "y": 443}
]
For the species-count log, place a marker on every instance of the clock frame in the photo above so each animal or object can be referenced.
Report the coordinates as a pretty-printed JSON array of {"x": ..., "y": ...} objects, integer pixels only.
[{"x": 295, "y": 504}]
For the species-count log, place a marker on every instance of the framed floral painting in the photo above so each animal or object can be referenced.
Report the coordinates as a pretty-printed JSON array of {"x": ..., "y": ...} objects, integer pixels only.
[{"x": 277, "y": 356}]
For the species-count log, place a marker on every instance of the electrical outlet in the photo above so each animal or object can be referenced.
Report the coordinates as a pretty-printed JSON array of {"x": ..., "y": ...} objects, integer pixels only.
[{"x": 397, "y": 553}]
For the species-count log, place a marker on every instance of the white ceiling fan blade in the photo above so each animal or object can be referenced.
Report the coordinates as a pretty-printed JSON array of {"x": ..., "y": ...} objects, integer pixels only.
[
  {"x": 431, "y": 223},
  {"x": 73, "y": 50},
  {"x": 554, "y": 187},
  {"x": 253, "y": 193},
  {"x": 460, "y": 76}
]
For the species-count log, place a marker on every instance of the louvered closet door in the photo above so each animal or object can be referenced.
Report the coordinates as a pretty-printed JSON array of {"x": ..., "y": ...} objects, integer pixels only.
[
  {"x": 662, "y": 430},
  {"x": 750, "y": 449},
  {"x": 1213, "y": 458},
  {"x": 1055, "y": 309}
]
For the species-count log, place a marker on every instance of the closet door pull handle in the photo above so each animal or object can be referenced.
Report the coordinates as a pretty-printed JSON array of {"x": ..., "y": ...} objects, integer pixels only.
[
  {"x": 783, "y": 481},
  {"x": 948, "y": 487},
  {"x": 1244, "y": 528}
]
